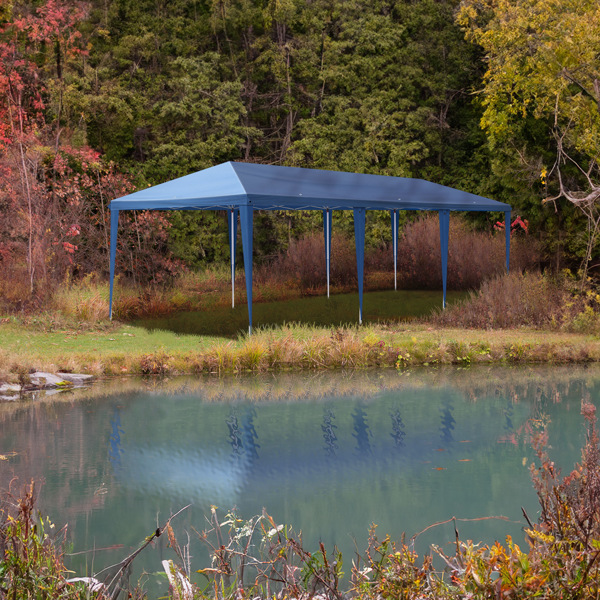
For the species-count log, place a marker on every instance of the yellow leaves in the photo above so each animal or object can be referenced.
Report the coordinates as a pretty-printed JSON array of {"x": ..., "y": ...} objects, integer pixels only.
[
  {"x": 371, "y": 339},
  {"x": 538, "y": 535},
  {"x": 543, "y": 175},
  {"x": 498, "y": 553},
  {"x": 466, "y": 15},
  {"x": 535, "y": 49}
]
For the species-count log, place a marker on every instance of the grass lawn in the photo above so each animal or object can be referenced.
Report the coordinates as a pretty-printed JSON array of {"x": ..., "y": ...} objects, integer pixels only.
[{"x": 338, "y": 310}]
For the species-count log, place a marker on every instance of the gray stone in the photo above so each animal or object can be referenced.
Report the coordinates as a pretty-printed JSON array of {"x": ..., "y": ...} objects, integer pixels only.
[
  {"x": 10, "y": 388},
  {"x": 39, "y": 379},
  {"x": 77, "y": 378}
]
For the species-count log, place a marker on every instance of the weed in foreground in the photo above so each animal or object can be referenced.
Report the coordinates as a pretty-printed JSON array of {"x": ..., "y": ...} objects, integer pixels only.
[{"x": 31, "y": 562}]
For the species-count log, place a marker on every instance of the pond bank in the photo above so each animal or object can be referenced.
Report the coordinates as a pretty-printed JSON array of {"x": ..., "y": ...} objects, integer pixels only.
[{"x": 116, "y": 349}]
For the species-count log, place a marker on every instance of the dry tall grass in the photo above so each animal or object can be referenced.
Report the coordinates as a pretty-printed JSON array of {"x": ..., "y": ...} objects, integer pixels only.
[
  {"x": 515, "y": 300},
  {"x": 473, "y": 257}
]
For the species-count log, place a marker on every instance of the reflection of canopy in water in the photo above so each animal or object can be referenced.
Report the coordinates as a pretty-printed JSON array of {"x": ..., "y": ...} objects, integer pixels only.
[
  {"x": 330, "y": 451},
  {"x": 178, "y": 472},
  {"x": 242, "y": 188}
]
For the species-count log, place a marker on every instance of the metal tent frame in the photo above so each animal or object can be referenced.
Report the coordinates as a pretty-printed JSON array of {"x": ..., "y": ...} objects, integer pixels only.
[{"x": 242, "y": 188}]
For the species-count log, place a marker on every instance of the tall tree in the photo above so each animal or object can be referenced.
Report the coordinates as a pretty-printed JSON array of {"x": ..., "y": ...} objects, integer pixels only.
[
  {"x": 54, "y": 188},
  {"x": 541, "y": 95}
]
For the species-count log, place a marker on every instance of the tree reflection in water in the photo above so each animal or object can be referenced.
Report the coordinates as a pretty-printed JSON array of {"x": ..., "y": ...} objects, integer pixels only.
[
  {"x": 235, "y": 434},
  {"x": 250, "y": 436},
  {"x": 448, "y": 421},
  {"x": 398, "y": 432},
  {"x": 115, "y": 446}
]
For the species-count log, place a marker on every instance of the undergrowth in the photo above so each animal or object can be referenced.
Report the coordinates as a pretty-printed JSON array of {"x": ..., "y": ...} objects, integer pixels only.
[{"x": 529, "y": 299}]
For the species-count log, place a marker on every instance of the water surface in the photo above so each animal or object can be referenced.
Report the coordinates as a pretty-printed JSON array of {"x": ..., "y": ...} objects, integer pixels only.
[{"x": 328, "y": 453}]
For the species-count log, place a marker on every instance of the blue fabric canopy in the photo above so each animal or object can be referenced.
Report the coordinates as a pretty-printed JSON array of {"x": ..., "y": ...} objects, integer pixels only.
[{"x": 245, "y": 187}]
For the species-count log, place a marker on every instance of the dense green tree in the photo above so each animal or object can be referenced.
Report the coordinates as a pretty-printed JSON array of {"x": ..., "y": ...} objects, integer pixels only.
[{"x": 371, "y": 87}]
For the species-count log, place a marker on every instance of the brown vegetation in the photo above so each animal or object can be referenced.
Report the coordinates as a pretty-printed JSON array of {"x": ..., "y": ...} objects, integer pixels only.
[
  {"x": 473, "y": 257},
  {"x": 525, "y": 300}
]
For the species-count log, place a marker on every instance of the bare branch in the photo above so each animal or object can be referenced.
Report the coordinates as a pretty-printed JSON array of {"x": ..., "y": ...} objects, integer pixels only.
[{"x": 126, "y": 562}]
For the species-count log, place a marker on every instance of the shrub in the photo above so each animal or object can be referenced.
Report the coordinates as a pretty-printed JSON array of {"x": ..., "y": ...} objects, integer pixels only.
[
  {"x": 31, "y": 561},
  {"x": 561, "y": 561},
  {"x": 304, "y": 262},
  {"x": 85, "y": 300},
  {"x": 473, "y": 256},
  {"x": 15, "y": 288},
  {"x": 511, "y": 300}
]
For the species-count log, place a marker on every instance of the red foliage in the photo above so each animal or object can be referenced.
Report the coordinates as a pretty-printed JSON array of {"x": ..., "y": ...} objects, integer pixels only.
[
  {"x": 518, "y": 222},
  {"x": 50, "y": 192}
]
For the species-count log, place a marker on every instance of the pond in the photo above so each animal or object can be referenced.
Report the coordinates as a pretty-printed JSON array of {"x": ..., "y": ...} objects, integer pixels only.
[{"x": 328, "y": 453}]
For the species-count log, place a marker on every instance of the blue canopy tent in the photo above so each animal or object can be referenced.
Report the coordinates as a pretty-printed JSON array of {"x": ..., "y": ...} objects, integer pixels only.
[{"x": 242, "y": 188}]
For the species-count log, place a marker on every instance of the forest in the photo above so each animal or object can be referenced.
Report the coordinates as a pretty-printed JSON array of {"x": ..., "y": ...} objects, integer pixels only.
[{"x": 100, "y": 98}]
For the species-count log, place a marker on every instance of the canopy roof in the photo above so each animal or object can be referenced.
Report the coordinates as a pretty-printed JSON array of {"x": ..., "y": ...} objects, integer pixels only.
[{"x": 270, "y": 187}]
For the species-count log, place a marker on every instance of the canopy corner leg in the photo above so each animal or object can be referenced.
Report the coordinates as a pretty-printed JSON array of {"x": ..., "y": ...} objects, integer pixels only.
[
  {"x": 444, "y": 216},
  {"x": 359, "y": 237}
]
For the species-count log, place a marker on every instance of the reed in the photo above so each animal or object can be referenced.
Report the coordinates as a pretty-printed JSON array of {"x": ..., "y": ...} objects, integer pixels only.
[{"x": 121, "y": 349}]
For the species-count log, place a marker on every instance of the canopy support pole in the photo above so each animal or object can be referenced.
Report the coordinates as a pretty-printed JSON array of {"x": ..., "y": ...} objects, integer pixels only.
[
  {"x": 232, "y": 229},
  {"x": 395, "y": 221},
  {"x": 247, "y": 221},
  {"x": 327, "y": 230},
  {"x": 444, "y": 238},
  {"x": 114, "y": 227},
  {"x": 359, "y": 238},
  {"x": 507, "y": 233}
]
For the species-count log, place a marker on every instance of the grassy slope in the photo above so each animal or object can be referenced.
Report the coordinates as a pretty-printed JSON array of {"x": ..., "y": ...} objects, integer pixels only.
[
  {"x": 52, "y": 343},
  {"x": 122, "y": 348}
]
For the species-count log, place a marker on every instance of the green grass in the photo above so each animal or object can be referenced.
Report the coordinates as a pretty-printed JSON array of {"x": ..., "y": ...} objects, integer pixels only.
[
  {"x": 320, "y": 311},
  {"x": 125, "y": 349},
  {"x": 19, "y": 341}
]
